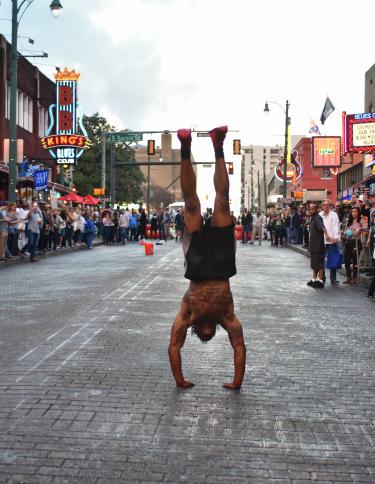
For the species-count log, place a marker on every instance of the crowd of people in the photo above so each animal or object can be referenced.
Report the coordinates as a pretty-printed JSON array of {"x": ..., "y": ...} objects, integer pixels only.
[
  {"x": 30, "y": 228},
  {"x": 347, "y": 232},
  {"x": 122, "y": 225},
  {"x": 343, "y": 233}
]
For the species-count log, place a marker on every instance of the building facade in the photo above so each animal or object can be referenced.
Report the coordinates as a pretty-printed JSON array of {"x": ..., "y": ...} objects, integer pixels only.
[
  {"x": 370, "y": 90},
  {"x": 314, "y": 183},
  {"x": 257, "y": 162},
  {"x": 164, "y": 176},
  {"x": 35, "y": 93}
]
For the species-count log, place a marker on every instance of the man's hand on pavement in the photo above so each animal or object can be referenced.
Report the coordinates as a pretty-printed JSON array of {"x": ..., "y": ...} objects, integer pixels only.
[
  {"x": 232, "y": 386},
  {"x": 185, "y": 384}
]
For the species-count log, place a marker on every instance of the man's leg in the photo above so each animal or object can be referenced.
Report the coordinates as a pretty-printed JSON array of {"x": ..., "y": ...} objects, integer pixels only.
[
  {"x": 193, "y": 218},
  {"x": 221, "y": 216}
]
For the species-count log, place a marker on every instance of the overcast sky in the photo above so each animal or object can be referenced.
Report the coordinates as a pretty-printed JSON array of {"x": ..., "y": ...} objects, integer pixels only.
[{"x": 164, "y": 64}]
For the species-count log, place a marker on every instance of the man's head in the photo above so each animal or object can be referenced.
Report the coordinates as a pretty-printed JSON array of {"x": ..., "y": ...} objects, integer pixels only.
[
  {"x": 371, "y": 200},
  {"x": 326, "y": 205},
  {"x": 35, "y": 207},
  {"x": 204, "y": 327},
  {"x": 313, "y": 209}
]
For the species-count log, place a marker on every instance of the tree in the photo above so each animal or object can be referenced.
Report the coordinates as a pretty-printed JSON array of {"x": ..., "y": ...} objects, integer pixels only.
[
  {"x": 87, "y": 173},
  {"x": 159, "y": 196}
]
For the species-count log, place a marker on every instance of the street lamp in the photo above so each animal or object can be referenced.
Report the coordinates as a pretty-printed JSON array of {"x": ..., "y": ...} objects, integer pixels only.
[
  {"x": 18, "y": 11},
  {"x": 56, "y": 8},
  {"x": 287, "y": 123}
]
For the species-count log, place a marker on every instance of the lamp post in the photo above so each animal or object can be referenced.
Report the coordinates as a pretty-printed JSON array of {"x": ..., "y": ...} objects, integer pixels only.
[
  {"x": 287, "y": 123},
  {"x": 17, "y": 12}
]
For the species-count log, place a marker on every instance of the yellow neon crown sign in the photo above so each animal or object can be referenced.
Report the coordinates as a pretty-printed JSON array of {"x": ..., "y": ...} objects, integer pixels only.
[{"x": 67, "y": 75}]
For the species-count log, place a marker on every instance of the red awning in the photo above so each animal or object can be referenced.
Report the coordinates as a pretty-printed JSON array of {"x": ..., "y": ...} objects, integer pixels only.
[
  {"x": 90, "y": 200},
  {"x": 72, "y": 197}
]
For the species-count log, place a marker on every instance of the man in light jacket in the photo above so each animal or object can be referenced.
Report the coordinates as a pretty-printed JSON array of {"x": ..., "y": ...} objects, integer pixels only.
[
  {"x": 332, "y": 226},
  {"x": 258, "y": 221}
]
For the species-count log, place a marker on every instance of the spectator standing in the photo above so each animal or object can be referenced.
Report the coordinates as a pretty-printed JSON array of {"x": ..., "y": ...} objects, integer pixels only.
[
  {"x": 89, "y": 231},
  {"x": 3, "y": 229},
  {"x": 179, "y": 224},
  {"x": 143, "y": 224},
  {"x": 257, "y": 227},
  {"x": 332, "y": 226},
  {"x": 167, "y": 224},
  {"x": 371, "y": 244},
  {"x": 278, "y": 230},
  {"x": 13, "y": 229},
  {"x": 35, "y": 223},
  {"x": 154, "y": 226},
  {"x": 161, "y": 224},
  {"x": 352, "y": 245},
  {"x": 133, "y": 225},
  {"x": 123, "y": 227},
  {"x": 318, "y": 235},
  {"x": 247, "y": 225}
]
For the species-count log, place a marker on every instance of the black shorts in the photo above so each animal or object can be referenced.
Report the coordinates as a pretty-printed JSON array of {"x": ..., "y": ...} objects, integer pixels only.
[
  {"x": 210, "y": 253},
  {"x": 317, "y": 260}
]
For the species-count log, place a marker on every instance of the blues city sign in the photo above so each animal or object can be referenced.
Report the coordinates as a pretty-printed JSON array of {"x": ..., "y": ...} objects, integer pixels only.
[{"x": 66, "y": 137}]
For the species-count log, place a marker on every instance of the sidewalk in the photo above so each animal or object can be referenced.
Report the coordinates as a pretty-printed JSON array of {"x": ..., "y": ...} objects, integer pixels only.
[
  {"x": 363, "y": 280},
  {"x": 52, "y": 253}
]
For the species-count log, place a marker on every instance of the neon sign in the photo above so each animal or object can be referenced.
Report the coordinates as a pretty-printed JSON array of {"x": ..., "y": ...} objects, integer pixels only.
[
  {"x": 294, "y": 169},
  {"x": 69, "y": 139},
  {"x": 326, "y": 151},
  {"x": 359, "y": 132}
]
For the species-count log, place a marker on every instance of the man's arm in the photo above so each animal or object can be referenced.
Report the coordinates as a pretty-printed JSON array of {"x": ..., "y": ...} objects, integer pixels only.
[
  {"x": 235, "y": 333},
  {"x": 178, "y": 336}
]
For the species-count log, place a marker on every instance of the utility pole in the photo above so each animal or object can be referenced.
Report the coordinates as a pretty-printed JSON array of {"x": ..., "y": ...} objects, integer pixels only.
[
  {"x": 259, "y": 189},
  {"x": 148, "y": 185},
  {"x": 265, "y": 185},
  {"x": 12, "y": 177},
  {"x": 286, "y": 143},
  {"x": 104, "y": 148},
  {"x": 252, "y": 187},
  {"x": 113, "y": 173}
]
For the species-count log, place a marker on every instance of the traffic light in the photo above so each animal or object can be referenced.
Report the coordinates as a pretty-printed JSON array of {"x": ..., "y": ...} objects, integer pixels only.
[
  {"x": 230, "y": 168},
  {"x": 151, "y": 147},
  {"x": 236, "y": 146}
]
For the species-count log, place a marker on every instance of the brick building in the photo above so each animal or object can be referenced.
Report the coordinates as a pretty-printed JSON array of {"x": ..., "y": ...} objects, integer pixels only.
[
  {"x": 35, "y": 93},
  {"x": 313, "y": 181}
]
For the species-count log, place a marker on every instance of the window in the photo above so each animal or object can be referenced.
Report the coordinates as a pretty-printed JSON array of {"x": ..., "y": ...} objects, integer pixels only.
[
  {"x": 43, "y": 121},
  {"x": 275, "y": 151},
  {"x": 24, "y": 110}
]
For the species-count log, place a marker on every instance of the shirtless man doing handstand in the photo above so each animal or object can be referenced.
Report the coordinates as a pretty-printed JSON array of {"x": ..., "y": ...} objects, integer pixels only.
[{"x": 209, "y": 250}]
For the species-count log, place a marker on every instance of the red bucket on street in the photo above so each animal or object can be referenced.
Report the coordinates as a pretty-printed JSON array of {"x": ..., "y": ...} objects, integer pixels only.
[{"x": 149, "y": 249}]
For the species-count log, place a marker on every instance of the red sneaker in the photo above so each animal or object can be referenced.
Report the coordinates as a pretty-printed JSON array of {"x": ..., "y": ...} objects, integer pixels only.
[
  {"x": 218, "y": 136},
  {"x": 184, "y": 135}
]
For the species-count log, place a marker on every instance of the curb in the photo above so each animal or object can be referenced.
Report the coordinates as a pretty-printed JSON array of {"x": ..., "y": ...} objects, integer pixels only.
[
  {"x": 52, "y": 253},
  {"x": 364, "y": 279}
]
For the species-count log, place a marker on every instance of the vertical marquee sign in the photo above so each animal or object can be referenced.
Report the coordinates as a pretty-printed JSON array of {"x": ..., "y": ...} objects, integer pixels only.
[{"x": 66, "y": 138}]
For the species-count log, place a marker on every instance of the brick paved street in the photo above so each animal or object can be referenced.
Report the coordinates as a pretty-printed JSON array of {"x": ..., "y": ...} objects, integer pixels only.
[{"x": 87, "y": 394}]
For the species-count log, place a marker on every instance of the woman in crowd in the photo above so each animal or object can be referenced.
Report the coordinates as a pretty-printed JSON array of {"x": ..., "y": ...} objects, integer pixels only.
[
  {"x": 352, "y": 245},
  {"x": 154, "y": 226},
  {"x": 13, "y": 229},
  {"x": 109, "y": 228}
]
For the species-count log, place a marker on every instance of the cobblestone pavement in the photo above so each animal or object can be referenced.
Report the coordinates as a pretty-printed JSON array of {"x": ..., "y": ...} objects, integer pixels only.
[{"x": 86, "y": 394}]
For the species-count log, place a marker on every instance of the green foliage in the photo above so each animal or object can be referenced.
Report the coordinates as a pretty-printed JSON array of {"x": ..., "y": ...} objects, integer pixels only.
[{"x": 87, "y": 173}]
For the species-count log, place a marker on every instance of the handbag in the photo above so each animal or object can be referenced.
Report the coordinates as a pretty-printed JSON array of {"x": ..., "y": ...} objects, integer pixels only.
[{"x": 334, "y": 258}]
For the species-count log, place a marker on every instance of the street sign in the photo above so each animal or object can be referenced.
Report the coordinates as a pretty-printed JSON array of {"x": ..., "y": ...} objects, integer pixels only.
[
  {"x": 207, "y": 165},
  {"x": 203, "y": 134},
  {"x": 127, "y": 137}
]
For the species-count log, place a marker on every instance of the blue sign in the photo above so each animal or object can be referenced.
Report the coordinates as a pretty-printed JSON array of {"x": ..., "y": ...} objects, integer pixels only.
[{"x": 41, "y": 179}]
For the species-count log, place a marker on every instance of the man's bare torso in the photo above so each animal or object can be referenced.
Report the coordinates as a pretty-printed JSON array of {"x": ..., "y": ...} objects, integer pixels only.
[{"x": 208, "y": 298}]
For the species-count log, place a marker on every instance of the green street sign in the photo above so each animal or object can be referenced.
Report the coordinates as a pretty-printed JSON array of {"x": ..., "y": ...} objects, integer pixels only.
[
  {"x": 203, "y": 134},
  {"x": 127, "y": 137}
]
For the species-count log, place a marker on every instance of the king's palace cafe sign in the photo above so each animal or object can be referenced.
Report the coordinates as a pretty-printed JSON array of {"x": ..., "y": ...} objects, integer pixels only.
[{"x": 66, "y": 137}]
